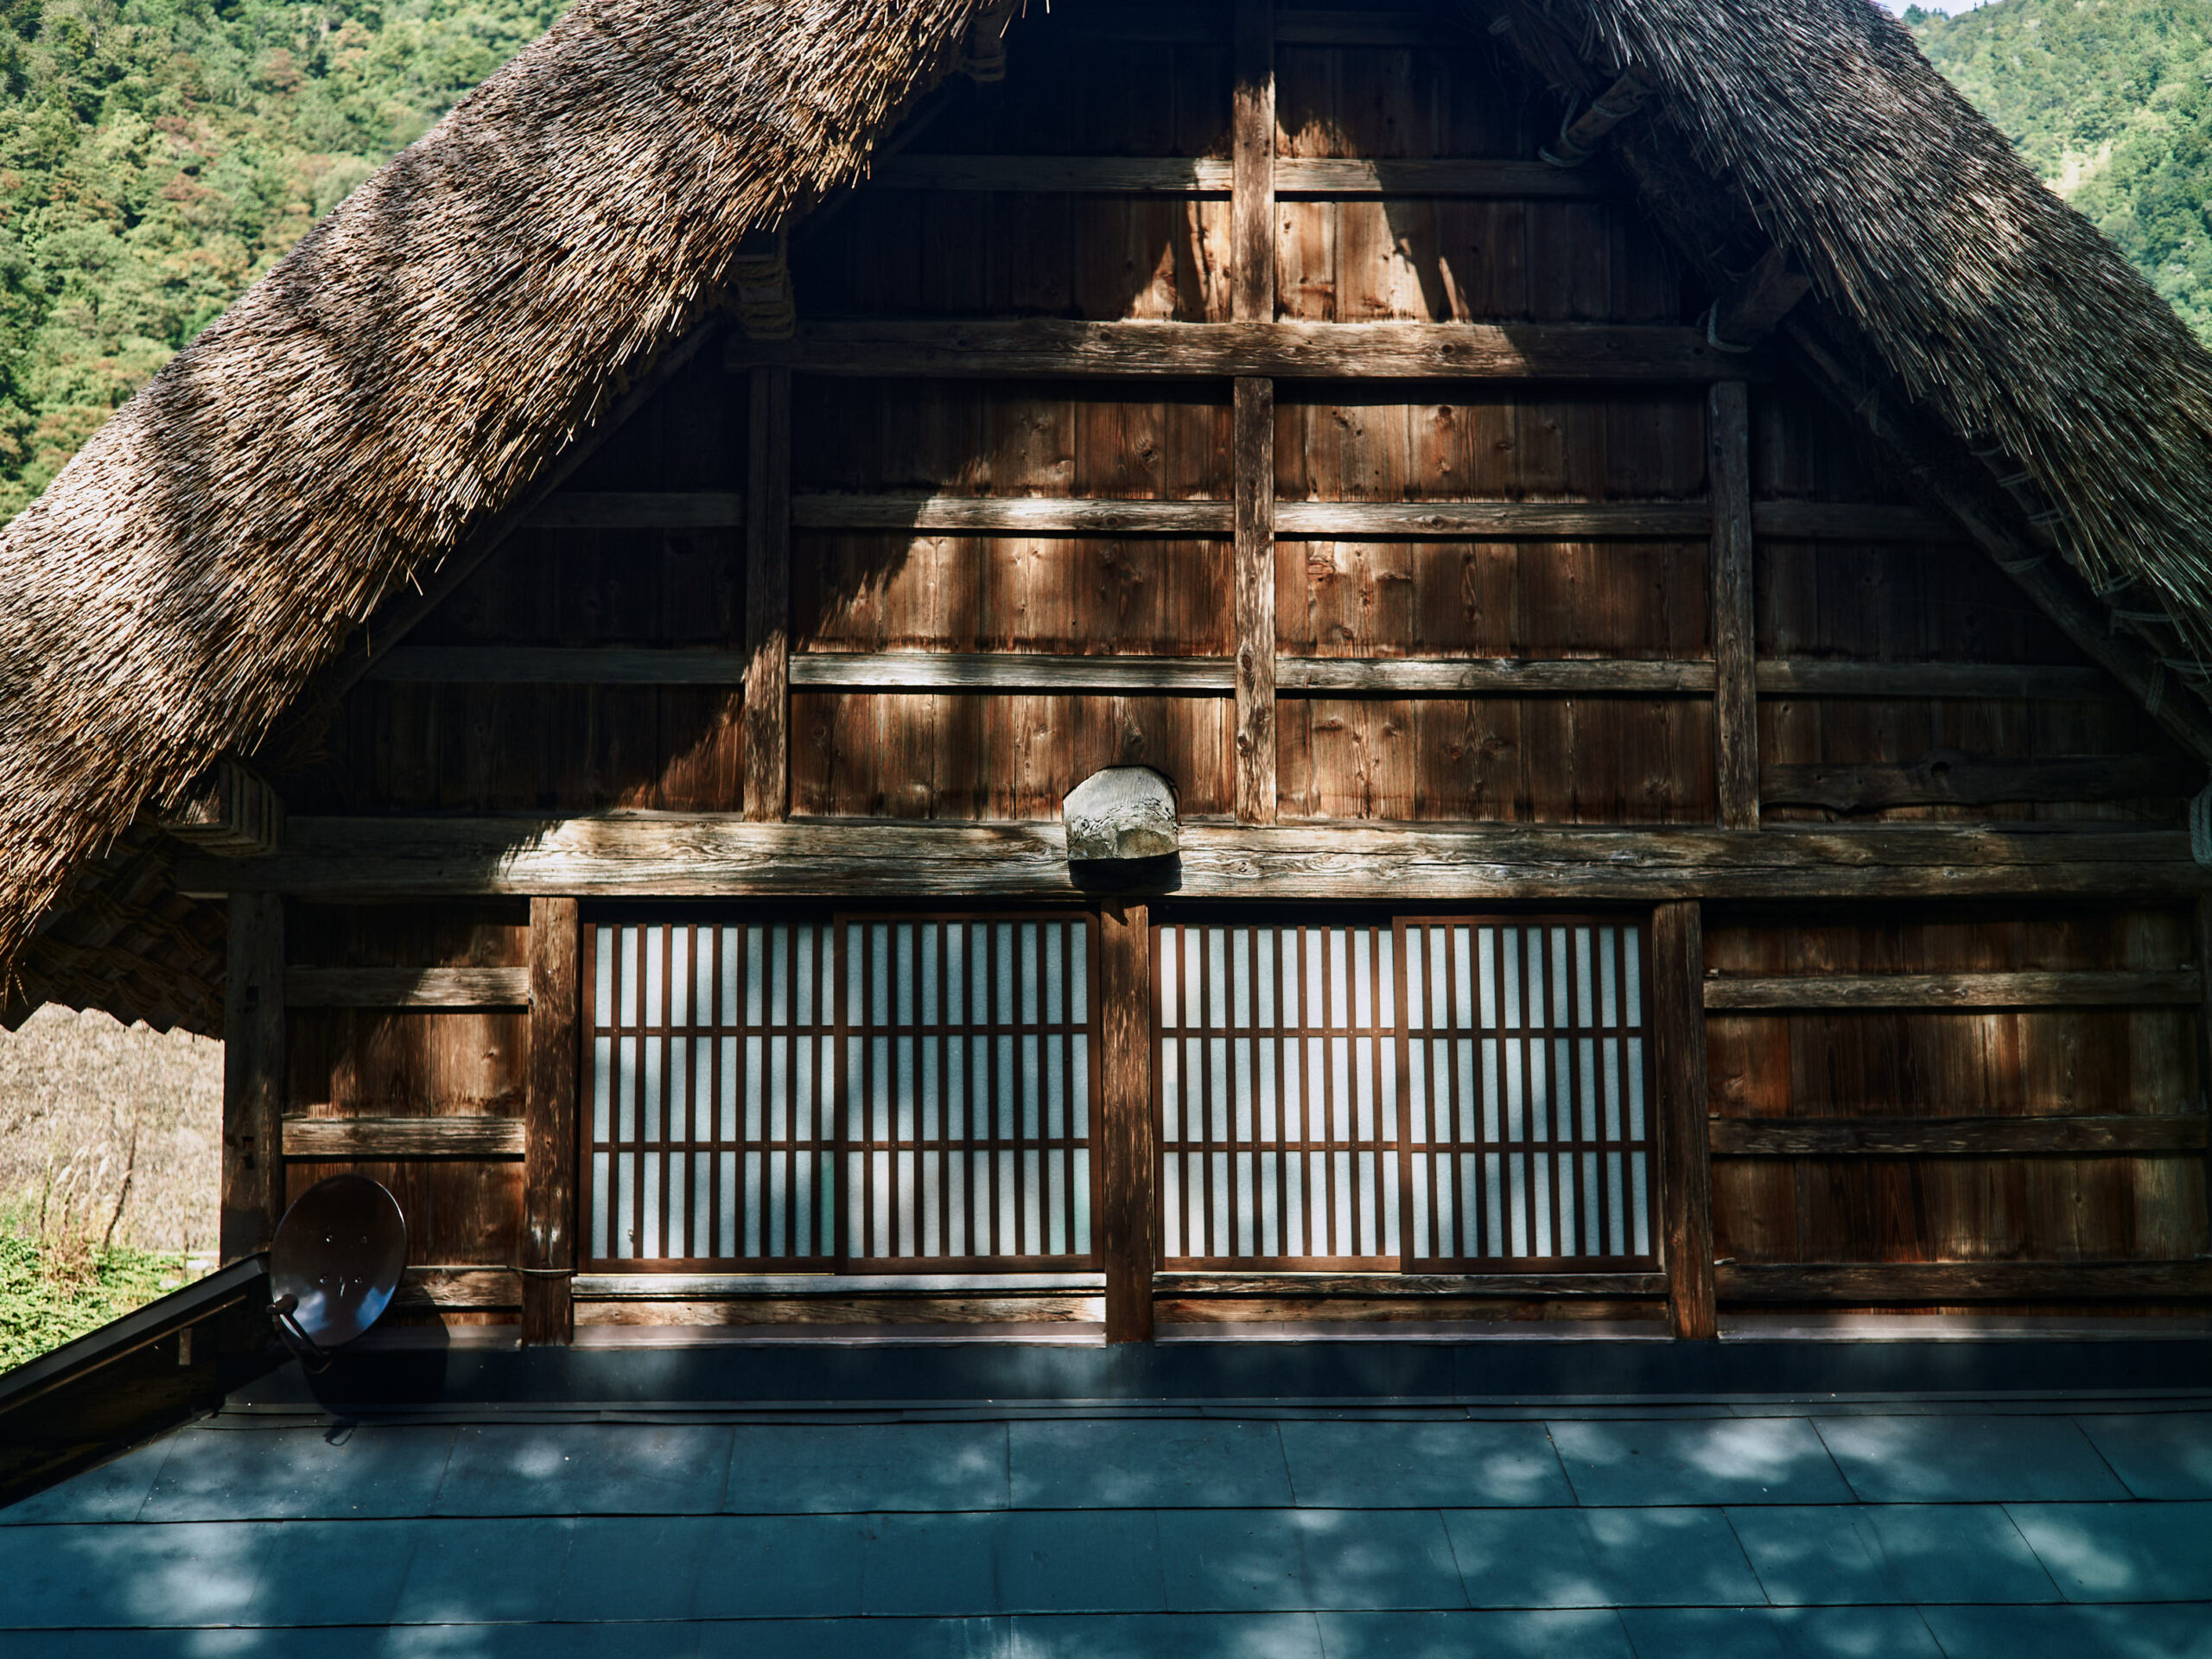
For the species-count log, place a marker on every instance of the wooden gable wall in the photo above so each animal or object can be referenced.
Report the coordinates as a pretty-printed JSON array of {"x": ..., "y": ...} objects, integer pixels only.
[{"x": 1456, "y": 602}]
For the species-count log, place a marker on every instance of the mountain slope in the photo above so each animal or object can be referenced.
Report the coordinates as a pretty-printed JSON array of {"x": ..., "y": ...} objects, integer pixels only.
[
  {"x": 2111, "y": 101},
  {"x": 157, "y": 156}
]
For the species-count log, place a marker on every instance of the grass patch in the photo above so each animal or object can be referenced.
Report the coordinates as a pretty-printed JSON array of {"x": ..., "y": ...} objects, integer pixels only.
[{"x": 50, "y": 1295}]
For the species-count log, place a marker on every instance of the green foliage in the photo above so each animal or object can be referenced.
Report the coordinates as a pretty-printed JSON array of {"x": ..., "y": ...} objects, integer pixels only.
[
  {"x": 157, "y": 156},
  {"x": 2111, "y": 102},
  {"x": 47, "y": 1298}
]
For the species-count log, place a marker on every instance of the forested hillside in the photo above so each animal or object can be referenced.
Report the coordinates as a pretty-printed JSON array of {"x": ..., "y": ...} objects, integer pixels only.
[
  {"x": 2111, "y": 100},
  {"x": 157, "y": 156}
]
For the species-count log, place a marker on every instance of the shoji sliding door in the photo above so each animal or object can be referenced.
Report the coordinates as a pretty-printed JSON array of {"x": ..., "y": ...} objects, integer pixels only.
[
  {"x": 881, "y": 1093},
  {"x": 1527, "y": 1136},
  {"x": 1453, "y": 1094}
]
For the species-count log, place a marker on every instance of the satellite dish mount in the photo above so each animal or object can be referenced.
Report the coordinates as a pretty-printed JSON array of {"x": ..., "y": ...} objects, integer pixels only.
[{"x": 335, "y": 1265}]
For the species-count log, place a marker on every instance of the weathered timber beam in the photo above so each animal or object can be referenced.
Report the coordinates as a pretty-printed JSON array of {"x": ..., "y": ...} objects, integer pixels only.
[
  {"x": 986, "y": 671},
  {"x": 1960, "y": 1281},
  {"x": 638, "y": 510},
  {"x": 649, "y": 855},
  {"x": 1811, "y": 678},
  {"x": 476, "y": 1135},
  {"x": 2130, "y": 988},
  {"x": 1848, "y": 521},
  {"x": 1734, "y": 618},
  {"x": 1683, "y": 1110},
  {"x": 1755, "y": 308},
  {"x": 1488, "y": 676},
  {"x": 1342, "y": 520},
  {"x": 929, "y": 670},
  {"x": 1584, "y": 133},
  {"x": 549, "y": 1223},
  {"x": 731, "y": 1286},
  {"x": 1309, "y": 351},
  {"x": 253, "y": 1071},
  {"x": 1178, "y": 175},
  {"x": 407, "y": 988},
  {"x": 487, "y": 1289},
  {"x": 1955, "y": 1137},
  {"x": 1950, "y": 778},
  {"x": 1229, "y": 1286}
]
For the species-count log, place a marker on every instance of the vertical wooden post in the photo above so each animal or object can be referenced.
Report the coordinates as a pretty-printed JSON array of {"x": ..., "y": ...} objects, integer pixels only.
[
  {"x": 1252, "y": 177},
  {"x": 1735, "y": 692},
  {"x": 1256, "y": 601},
  {"x": 253, "y": 1075},
  {"x": 1129, "y": 1143},
  {"x": 768, "y": 596},
  {"x": 549, "y": 1235},
  {"x": 2204, "y": 1029},
  {"x": 1678, "y": 986},
  {"x": 1252, "y": 210}
]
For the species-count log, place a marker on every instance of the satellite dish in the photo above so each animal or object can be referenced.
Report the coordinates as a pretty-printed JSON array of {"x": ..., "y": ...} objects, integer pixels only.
[{"x": 334, "y": 1264}]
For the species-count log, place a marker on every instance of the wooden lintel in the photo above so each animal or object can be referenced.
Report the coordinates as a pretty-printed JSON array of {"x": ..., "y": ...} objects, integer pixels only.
[
  {"x": 475, "y": 1135},
  {"x": 707, "y": 855},
  {"x": 1619, "y": 353},
  {"x": 1951, "y": 777},
  {"x": 2102, "y": 989},
  {"x": 1961, "y": 1282},
  {"x": 1415, "y": 1287},
  {"x": 2137, "y": 1134},
  {"x": 407, "y": 988}
]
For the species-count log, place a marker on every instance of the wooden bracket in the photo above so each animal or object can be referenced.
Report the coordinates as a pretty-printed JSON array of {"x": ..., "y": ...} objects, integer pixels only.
[
  {"x": 760, "y": 282},
  {"x": 1579, "y": 137},
  {"x": 1740, "y": 319}
]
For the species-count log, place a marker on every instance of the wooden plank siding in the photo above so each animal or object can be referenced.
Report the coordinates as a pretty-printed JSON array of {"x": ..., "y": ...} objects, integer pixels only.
[{"x": 1233, "y": 392}]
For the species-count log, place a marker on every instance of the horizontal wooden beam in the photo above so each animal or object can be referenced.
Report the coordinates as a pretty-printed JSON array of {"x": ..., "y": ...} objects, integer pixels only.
[
  {"x": 1215, "y": 1287},
  {"x": 708, "y": 856},
  {"x": 727, "y": 1286},
  {"x": 1488, "y": 677},
  {"x": 1950, "y": 778},
  {"x": 2117, "y": 988},
  {"x": 1955, "y": 1137},
  {"x": 1960, "y": 1281},
  {"x": 475, "y": 1136},
  {"x": 1849, "y": 521},
  {"x": 1283, "y": 351},
  {"x": 407, "y": 988},
  {"x": 1209, "y": 176},
  {"x": 934, "y": 670},
  {"x": 1811, "y": 678},
  {"x": 638, "y": 510},
  {"x": 1295, "y": 520},
  {"x": 485, "y": 1289}
]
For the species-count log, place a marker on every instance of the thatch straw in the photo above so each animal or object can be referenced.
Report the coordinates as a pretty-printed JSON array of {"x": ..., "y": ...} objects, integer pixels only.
[
  {"x": 402, "y": 372},
  {"x": 1998, "y": 306},
  {"x": 430, "y": 346}
]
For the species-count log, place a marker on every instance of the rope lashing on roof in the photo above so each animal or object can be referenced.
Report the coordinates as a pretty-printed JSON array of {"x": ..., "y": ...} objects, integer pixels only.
[{"x": 982, "y": 56}]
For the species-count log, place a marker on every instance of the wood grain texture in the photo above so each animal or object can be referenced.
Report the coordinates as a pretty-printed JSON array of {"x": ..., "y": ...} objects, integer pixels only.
[
  {"x": 1962, "y": 1281},
  {"x": 1615, "y": 353},
  {"x": 407, "y": 988},
  {"x": 1736, "y": 694},
  {"x": 1416, "y": 1286},
  {"x": 549, "y": 1220},
  {"x": 1944, "y": 1137},
  {"x": 708, "y": 856},
  {"x": 253, "y": 1075},
  {"x": 929, "y": 670},
  {"x": 1254, "y": 590},
  {"x": 1815, "y": 678},
  {"x": 1252, "y": 139},
  {"x": 2114, "y": 988},
  {"x": 471, "y": 1288},
  {"x": 1491, "y": 677},
  {"x": 473, "y": 1134},
  {"x": 768, "y": 596},
  {"x": 1955, "y": 778},
  {"x": 1686, "y": 1159},
  {"x": 1129, "y": 1130}
]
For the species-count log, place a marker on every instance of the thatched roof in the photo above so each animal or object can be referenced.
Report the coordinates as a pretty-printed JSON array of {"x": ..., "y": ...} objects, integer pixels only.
[{"x": 433, "y": 343}]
